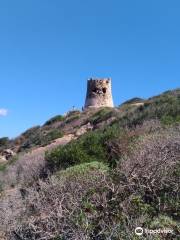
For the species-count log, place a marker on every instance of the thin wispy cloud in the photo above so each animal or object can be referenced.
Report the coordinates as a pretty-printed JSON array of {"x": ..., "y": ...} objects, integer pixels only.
[{"x": 3, "y": 112}]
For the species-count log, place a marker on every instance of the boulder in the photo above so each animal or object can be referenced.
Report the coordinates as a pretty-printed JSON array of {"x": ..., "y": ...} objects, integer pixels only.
[
  {"x": 2, "y": 159},
  {"x": 82, "y": 130},
  {"x": 8, "y": 154}
]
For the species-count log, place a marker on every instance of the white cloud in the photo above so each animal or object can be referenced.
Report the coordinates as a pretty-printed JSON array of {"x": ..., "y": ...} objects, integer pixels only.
[{"x": 3, "y": 112}]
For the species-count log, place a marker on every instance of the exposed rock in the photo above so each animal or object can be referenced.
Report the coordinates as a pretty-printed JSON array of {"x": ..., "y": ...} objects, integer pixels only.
[
  {"x": 137, "y": 104},
  {"x": 2, "y": 236},
  {"x": 82, "y": 130},
  {"x": 8, "y": 154},
  {"x": 2, "y": 159},
  {"x": 106, "y": 122}
]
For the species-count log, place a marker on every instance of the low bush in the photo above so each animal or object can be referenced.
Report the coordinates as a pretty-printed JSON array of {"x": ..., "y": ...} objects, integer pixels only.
[
  {"x": 73, "y": 112},
  {"x": 81, "y": 170},
  {"x": 55, "y": 119},
  {"x": 90, "y": 147},
  {"x": 3, "y": 166},
  {"x": 31, "y": 132},
  {"x": 50, "y": 136},
  {"x": 134, "y": 100},
  {"x": 102, "y": 115},
  {"x": 72, "y": 116},
  {"x": 165, "y": 107},
  {"x": 65, "y": 197},
  {"x": 169, "y": 120},
  {"x": 40, "y": 138},
  {"x": 4, "y": 141}
]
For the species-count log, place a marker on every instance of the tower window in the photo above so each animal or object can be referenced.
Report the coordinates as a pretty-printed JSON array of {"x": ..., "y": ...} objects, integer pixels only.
[
  {"x": 95, "y": 90},
  {"x": 104, "y": 90}
]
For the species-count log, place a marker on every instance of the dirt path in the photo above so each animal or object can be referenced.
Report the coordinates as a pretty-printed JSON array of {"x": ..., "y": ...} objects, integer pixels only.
[{"x": 59, "y": 141}]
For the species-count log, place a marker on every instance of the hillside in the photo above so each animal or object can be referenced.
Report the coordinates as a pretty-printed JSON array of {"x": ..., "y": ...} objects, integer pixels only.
[{"x": 96, "y": 174}]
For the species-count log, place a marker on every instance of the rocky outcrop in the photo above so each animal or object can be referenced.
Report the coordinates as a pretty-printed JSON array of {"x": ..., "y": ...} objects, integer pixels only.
[
  {"x": 82, "y": 130},
  {"x": 7, "y": 154},
  {"x": 2, "y": 159}
]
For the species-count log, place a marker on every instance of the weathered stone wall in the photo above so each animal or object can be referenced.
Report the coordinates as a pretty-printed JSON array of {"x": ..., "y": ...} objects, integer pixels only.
[{"x": 99, "y": 93}]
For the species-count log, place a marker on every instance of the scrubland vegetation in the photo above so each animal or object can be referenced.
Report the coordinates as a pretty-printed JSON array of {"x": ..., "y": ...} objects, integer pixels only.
[{"x": 122, "y": 174}]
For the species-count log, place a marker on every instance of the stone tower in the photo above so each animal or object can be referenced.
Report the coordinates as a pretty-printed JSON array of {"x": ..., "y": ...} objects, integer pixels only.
[{"x": 99, "y": 93}]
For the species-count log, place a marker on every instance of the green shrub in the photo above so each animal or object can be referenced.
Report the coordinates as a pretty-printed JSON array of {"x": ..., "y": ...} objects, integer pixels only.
[
  {"x": 73, "y": 112},
  {"x": 134, "y": 100},
  {"x": 90, "y": 147},
  {"x": 72, "y": 115},
  {"x": 140, "y": 207},
  {"x": 82, "y": 169},
  {"x": 31, "y": 132},
  {"x": 55, "y": 119},
  {"x": 101, "y": 115},
  {"x": 169, "y": 120},
  {"x": 50, "y": 136},
  {"x": 72, "y": 118},
  {"x": 40, "y": 138},
  {"x": 3, "y": 166},
  {"x": 165, "y": 222},
  {"x": 165, "y": 107},
  {"x": 66, "y": 156},
  {"x": 4, "y": 141}
]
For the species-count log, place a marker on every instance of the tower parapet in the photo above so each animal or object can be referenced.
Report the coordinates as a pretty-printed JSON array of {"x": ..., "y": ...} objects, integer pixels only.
[{"x": 99, "y": 93}]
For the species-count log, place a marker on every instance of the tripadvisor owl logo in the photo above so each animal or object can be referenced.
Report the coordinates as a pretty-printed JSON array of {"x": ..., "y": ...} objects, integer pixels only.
[{"x": 139, "y": 231}]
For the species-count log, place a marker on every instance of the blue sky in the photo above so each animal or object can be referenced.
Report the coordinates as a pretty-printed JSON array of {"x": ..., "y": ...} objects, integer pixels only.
[{"x": 48, "y": 49}]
